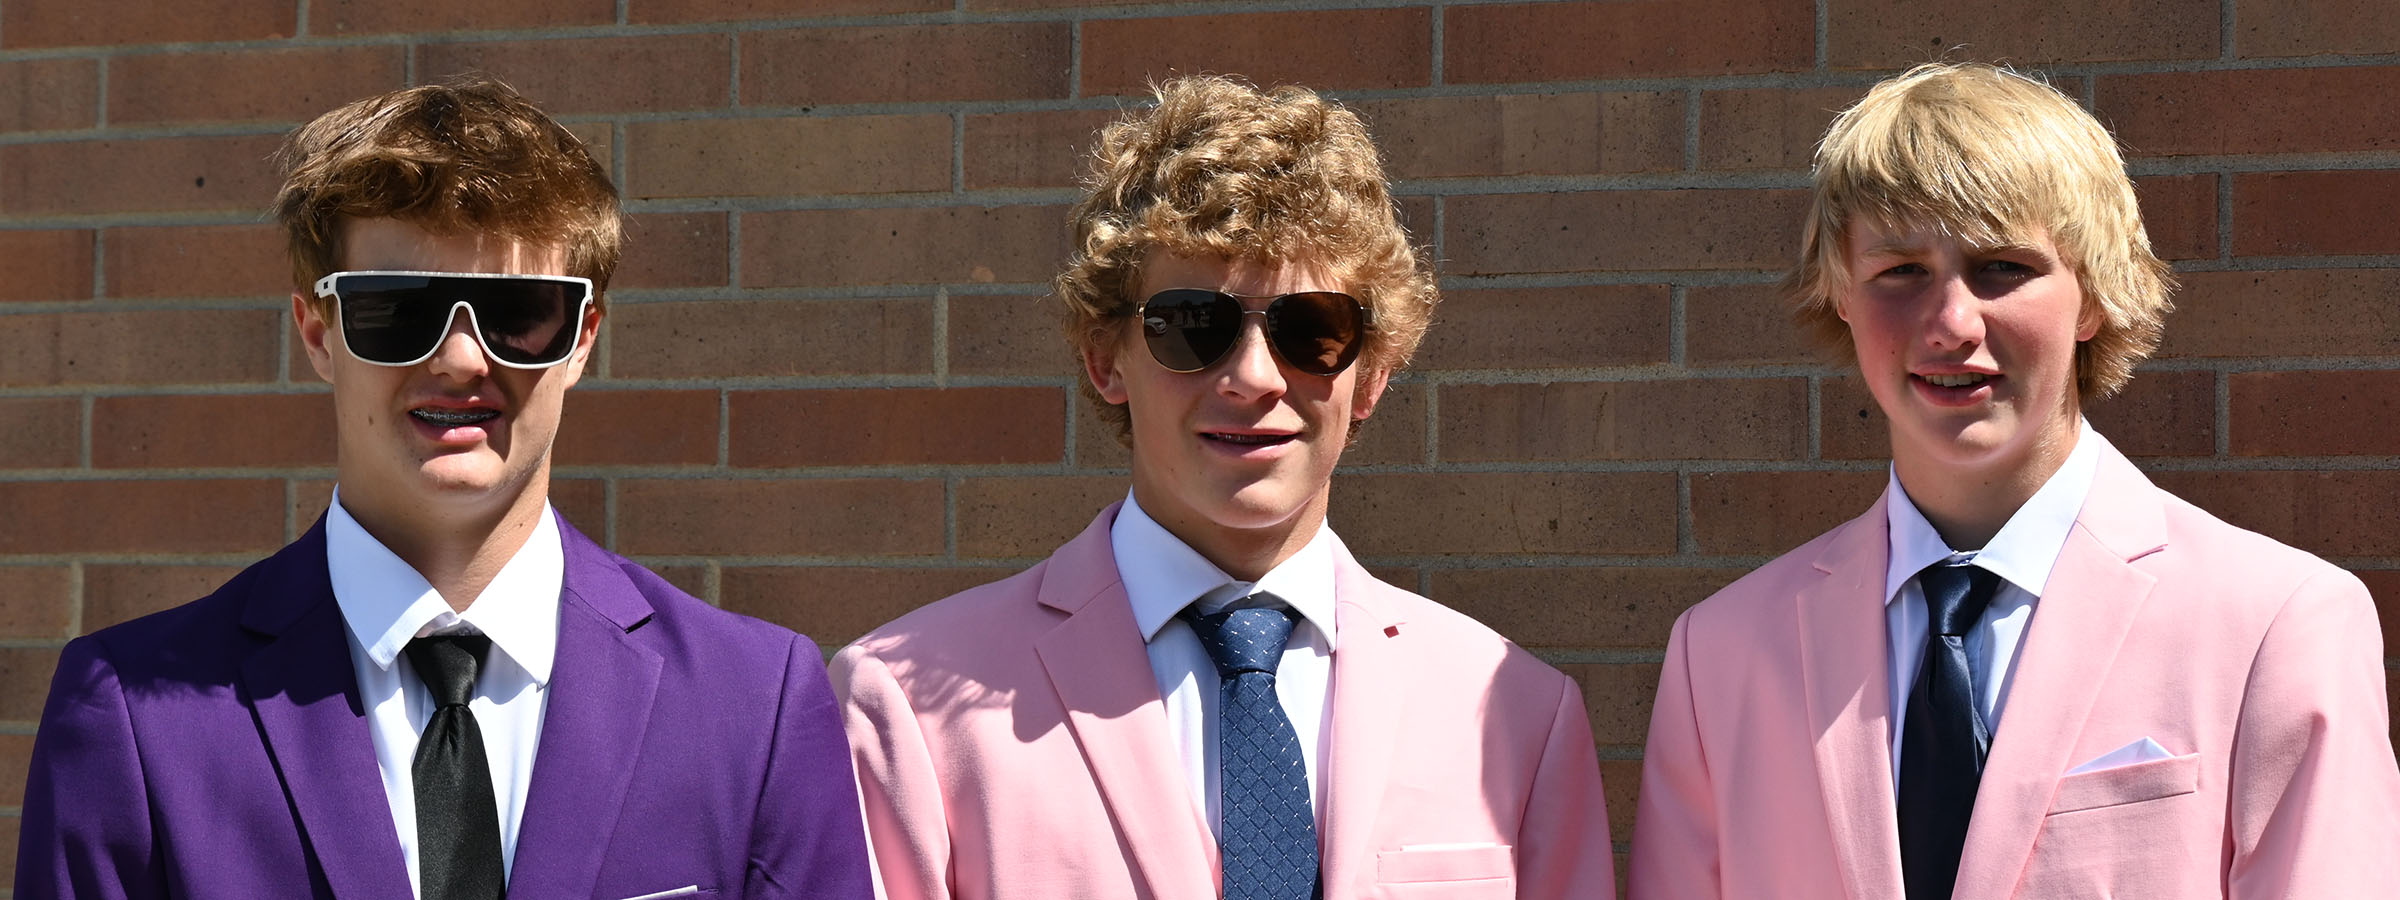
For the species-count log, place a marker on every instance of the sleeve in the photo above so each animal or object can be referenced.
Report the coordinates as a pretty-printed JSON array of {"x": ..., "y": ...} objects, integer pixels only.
[
  {"x": 2314, "y": 789},
  {"x": 807, "y": 841},
  {"x": 86, "y": 828},
  {"x": 897, "y": 787},
  {"x": 1563, "y": 848},
  {"x": 1675, "y": 826}
]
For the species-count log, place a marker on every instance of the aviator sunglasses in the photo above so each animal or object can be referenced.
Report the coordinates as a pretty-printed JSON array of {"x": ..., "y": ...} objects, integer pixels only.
[
  {"x": 1317, "y": 332},
  {"x": 400, "y": 318}
]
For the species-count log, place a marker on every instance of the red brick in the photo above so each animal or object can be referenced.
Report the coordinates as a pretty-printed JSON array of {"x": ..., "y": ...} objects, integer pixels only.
[
  {"x": 45, "y": 265},
  {"x": 1892, "y": 34},
  {"x": 1641, "y": 230},
  {"x": 1580, "y": 607},
  {"x": 49, "y": 94},
  {"x": 2313, "y": 28},
  {"x": 2161, "y": 414},
  {"x": 2384, "y": 586},
  {"x": 154, "y": 175},
  {"x": 217, "y": 516},
  {"x": 2180, "y": 212},
  {"x": 1096, "y": 442},
  {"x": 1549, "y": 328},
  {"x": 637, "y": 428},
  {"x": 2313, "y": 312},
  {"x": 1621, "y": 783},
  {"x": 2252, "y": 111},
  {"x": 1008, "y": 335},
  {"x": 40, "y": 433},
  {"x": 34, "y": 601},
  {"x": 1529, "y": 134},
  {"x": 583, "y": 501},
  {"x": 834, "y": 605},
  {"x": 600, "y": 140},
  {"x": 925, "y": 245},
  {"x": 734, "y": 338},
  {"x": 674, "y": 250},
  {"x": 1849, "y": 424},
  {"x": 202, "y": 431},
  {"x": 1767, "y": 128},
  {"x": 198, "y": 261},
  {"x": 16, "y": 757},
  {"x": 24, "y": 684},
  {"x": 582, "y": 76},
  {"x": 897, "y": 427},
  {"x": 1409, "y": 514},
  {"x": 2314, "y": 413},
  {"x": 1321, "y": 49},
  {"x": 280, "y": 85},
  {"x": 764, "y": 157},
  {"x": 1026, "y": 518},
  {"x": 340, "y": 17},
  {"x": 1761, "y": 418},
  {"x": 907, "y": 63},
  {"x": 1632, "y": 39},
  {"x": 1395, "y": 434},
  {"x": 1767, "y": 513},
  {"x": 2335, "y": 514},
  {"x": 1618, "y": 695},
  {"x": 1043, "y": 4},
  {"x": 153, "y": 347},
  {"x": 122, "y": 593},
  {"x": 140, "y": 22},
  {"x": 1044, "y": 148},
  {"x": 797, "y": 517},
  {"x": 662, "y": 11},
  {"x": 1743, "y": 324},
  {"x": 2314, "y": 213}
]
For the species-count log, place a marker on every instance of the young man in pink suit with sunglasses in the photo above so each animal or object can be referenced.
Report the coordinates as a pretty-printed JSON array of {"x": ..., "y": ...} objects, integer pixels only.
[
  {"x": 2025, "y": 672},
  {"x": 1203, "y": 694},
  {"x": 442, "y": 690}
]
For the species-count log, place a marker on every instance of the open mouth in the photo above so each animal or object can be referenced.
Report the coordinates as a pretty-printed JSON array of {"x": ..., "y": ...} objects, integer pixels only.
[
  {"x": 453, "y": 418},
  {"x": 1248, "y": 440},
  {"x": 1961, "y": 380}
]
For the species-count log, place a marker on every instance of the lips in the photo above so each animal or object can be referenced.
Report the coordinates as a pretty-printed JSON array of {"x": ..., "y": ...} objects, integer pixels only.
[
  {"x": 1250, "y": 439},
  {"x": 443, "y": 417},
  {"x": 1958, "y": 380}
]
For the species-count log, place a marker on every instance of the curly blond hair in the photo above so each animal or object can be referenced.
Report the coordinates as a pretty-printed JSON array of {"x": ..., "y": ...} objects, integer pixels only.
[
  {"x": 1991, "y": 157},
  {"x": 466, "y": 155},
  {"x": 1219, "y": 169}
]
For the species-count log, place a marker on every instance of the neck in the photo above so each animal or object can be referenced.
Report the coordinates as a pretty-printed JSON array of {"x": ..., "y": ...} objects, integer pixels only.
[
  {"x": 1247, "y": 554},
  {"x": 457, "y": 549},
  {"x": 1968, "y": 506}
]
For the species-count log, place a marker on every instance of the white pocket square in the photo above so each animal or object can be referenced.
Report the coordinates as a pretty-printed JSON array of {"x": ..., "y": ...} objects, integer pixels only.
[
  {"x": 2140, "y": 751},
  {"x": 689, "y": 890}
]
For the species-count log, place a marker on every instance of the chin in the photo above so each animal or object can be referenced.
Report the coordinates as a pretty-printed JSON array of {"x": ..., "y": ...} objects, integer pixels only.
[{"x": 1257, "y": 505}]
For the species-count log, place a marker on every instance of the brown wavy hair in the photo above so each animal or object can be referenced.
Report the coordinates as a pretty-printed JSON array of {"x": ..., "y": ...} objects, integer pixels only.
[
  {"x": 466, "y": 155},
  {"x": 1220, "y": 169}
]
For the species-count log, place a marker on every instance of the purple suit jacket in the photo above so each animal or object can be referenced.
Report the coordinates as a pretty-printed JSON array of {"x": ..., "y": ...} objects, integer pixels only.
[{"x": 219, "y": 750}]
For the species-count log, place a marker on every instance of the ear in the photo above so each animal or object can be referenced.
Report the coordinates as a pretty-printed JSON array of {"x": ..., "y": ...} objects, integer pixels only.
[
  {"x": 1100, "y": 364},
  {"x": 2087, "y": 325},
  {"x": 1370, "y": 392},
  {"x": 585, "y": 342},
  {"x": 314, "y": 331}
]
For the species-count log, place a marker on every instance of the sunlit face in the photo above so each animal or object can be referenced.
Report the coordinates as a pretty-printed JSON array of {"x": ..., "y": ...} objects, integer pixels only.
[
  {"x": 1249, "y": 443},
  {"x": 1969, "y": 350},
  {"x": 454, "y": 431}
]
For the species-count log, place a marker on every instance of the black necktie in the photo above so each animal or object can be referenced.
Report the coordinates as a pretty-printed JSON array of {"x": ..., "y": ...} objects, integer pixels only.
[
  {"x": 1268, "y": 849},
  {"x": 1945, "y": 738},
  {"x": 458, "y": 821}
]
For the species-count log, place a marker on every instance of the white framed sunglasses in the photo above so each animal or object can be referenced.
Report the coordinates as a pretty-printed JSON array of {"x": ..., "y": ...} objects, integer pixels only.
[{"x": 398, "y": 318}]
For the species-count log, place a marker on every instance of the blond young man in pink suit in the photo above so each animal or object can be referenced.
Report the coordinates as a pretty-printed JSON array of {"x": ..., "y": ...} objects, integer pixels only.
[
  {"x": 1241, "y": 293},
  {"x": 2148, "y": 703}
]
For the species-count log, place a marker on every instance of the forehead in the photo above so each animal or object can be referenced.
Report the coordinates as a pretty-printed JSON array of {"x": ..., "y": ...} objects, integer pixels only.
[
  {"x": 1162, "y": 270},
  {"x": 1868, "y": 238},
  {"x": 389, "y": 243}
]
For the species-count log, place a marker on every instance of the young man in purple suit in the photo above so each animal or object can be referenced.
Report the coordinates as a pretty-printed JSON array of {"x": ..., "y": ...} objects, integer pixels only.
[{"x": 443, "y": 690}]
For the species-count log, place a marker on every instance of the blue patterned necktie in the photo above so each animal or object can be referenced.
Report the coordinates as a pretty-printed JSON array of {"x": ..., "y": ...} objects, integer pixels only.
[
  {"x": 1268, "y": 845},
  {"x": 1944, "y": 738}
]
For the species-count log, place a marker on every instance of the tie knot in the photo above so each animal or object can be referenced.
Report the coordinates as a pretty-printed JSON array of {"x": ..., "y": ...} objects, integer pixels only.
[
  {"x": 1956, "y": 594},
  {"x": 1243, "y": 640},
  {"x": 447, "y": 663}
]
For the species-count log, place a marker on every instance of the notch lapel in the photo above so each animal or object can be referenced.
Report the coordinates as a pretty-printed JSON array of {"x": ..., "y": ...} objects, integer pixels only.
[
  {"x": 1842, "y": 635},
  {"x": 1368, "y": 670}
]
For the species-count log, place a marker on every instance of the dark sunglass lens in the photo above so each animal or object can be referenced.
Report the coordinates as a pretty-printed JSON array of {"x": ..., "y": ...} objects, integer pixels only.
[
  {"x": 1316, "y": 332},
  {"x": 524, "y": 322},
  {"x": 1189, "y": 330},
  {"x": 391, "y": 319}
]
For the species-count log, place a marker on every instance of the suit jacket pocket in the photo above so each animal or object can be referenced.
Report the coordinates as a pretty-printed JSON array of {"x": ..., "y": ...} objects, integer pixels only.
[
  {"x": 2152, "y": 780},
  {"x": 1447, "y": 873}
]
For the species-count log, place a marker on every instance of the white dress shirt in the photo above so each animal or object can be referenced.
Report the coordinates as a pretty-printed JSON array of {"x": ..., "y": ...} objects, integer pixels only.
[
  {"x": 1162, "y": 576},
  {"x": 386, "y": 604},
  {"x": 2022, "y": 554}
]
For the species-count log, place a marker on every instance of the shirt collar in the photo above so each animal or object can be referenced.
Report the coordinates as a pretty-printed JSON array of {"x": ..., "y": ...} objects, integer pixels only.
[
  {"x": 1170, "y": 575},
  {"x": 386, "y": 603},
  {"x": 2026, "y": 548}
]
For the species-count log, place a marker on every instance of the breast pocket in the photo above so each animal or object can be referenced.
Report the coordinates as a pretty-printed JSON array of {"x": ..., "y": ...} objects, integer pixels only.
[
  {"x": 2156, "y": 779},
  {"x": 1487, "y": 872}
]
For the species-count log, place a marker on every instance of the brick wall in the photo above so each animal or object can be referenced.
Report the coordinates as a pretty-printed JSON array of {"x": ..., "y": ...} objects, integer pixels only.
[{"x": 827, "y": 392}]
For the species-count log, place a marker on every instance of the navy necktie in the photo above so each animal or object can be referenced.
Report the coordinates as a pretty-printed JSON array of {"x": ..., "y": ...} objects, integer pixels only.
[
  {"x": 1268, "y": 844},
  {"x": 458, "y": 818},
  {"x": 1945, "y": 738}
]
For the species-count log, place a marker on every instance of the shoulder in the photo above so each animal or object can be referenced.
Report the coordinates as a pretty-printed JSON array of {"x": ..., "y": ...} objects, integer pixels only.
[
  {"x": 711, "y": 642},
  {"x": 1769, "y": 587},
  {"x": 196, "y": 639},
  {"x": 2237, "y": 565},
  {"x": 1454, "y": 643},
  {"x": 996, "y": 614}
]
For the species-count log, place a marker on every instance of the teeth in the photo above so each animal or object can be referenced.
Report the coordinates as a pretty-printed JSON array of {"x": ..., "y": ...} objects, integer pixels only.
[
  {"x": 1965, "y": 380},
  {"x": 453, "y": 417}
]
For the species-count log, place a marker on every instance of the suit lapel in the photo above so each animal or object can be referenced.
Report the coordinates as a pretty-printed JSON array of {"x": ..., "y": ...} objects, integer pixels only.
[
  {"x": 305, "y": 696},
  {"x": 1847, "y": 688},
  {"x": 2085, "y": 611},
  {"x": 601, "y": 689},
  {"x": 1098, "y": 664},
  {"x": 1368, "y": 670}
]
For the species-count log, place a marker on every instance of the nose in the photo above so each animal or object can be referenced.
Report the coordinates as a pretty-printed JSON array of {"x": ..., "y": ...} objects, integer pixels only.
[
  {"x": 1252, "y": 372},
  {"x": 458, "y": 357},
  {"x": 1957, "y": 315}
]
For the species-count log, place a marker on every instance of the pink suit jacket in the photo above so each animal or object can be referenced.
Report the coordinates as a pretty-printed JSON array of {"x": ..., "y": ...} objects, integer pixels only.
[
  {"x": 1011, "y": 743},
  {"x": 2257, "y": 666}
]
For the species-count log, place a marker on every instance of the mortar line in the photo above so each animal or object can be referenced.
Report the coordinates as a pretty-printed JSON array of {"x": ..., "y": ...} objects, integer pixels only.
[
  {"x": 2224, "y": 415},
  {"x": 1678, "y": 325},
  {"x": 1440, "y": 14},
  {"x": 941, "y": 338},
  {"x": 608, "y": 511},
  {"x": 75, "y": 598}
]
